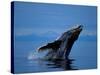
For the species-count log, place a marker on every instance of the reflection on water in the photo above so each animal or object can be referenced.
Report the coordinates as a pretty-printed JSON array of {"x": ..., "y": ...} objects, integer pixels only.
[
  {"x": 64, "y": 64},
  {"x": 35, "y": 62},
  {"x": 23, "y": 65},
  {"x": 50, "y": 64},
  {"x": 43, "y": 65}
]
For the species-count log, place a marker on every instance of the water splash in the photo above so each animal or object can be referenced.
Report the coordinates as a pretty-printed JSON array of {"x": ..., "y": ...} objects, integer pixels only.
[{"x": 36, "y": 55}]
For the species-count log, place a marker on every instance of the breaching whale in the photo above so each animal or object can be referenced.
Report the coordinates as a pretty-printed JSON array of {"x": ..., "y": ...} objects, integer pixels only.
[{"x": 61, "y": 47}]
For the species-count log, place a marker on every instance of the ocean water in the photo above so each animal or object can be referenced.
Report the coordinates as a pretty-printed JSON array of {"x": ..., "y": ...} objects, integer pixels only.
[{"x": 27, "y": 59}]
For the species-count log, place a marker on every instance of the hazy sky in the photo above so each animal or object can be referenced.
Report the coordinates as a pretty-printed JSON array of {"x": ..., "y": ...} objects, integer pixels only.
[{"x": 38, "y": 19}]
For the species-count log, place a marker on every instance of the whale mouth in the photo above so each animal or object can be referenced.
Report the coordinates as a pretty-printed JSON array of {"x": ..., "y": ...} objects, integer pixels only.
[
  {"x": 77, "y": 28},
  {"x": 61, "y": 47},
  {"x": 80, "y": 27}
]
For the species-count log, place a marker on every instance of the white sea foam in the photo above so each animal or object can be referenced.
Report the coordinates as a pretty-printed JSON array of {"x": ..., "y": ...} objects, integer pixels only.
[{"x": 36, "y": 55}]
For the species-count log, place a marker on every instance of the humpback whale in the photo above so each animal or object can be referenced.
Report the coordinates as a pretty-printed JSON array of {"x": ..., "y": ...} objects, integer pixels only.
[{"x": 61, "y": 47}]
